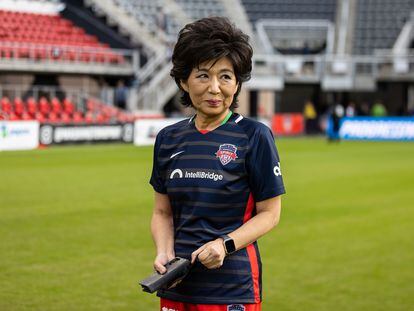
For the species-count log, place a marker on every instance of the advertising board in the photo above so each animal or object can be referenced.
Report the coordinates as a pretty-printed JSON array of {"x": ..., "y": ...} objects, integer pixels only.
[
  {"x": 19, "y": 135},
  {"x": 71, "y": 134}
]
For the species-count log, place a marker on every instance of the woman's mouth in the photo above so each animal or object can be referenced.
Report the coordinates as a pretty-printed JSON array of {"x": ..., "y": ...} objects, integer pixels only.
[{"x": 214, "y": 102}]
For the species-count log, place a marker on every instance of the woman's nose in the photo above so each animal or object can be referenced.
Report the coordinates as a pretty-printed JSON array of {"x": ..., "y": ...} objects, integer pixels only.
[{"x": 214, "y": 87}]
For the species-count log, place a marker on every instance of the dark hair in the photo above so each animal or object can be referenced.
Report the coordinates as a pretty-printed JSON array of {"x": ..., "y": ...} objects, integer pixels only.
[{"x": 210, "y": 39}]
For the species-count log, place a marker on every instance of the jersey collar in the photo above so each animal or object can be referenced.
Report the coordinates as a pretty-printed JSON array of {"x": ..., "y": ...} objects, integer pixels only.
[{"x": 231, "y": 116}]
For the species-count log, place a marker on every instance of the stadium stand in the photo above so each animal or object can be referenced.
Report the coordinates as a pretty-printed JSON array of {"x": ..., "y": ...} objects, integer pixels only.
[
  {"x": 49, "y": 37},
  {"x": 202, "y": 8},
  {"x": 378, "y": 24},
  {"x": 290, "y": 9},
  {"x": 152, "y": 14}
]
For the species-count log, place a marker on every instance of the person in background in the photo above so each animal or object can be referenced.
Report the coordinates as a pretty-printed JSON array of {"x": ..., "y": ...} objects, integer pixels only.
[
  {"x": 350, "y": 110},
  {"x": 121, "y": 92},
  {"x": 337, "y": 113},
  {"x": 310, "y": 116},
  {"x": 363, "y": 109},
  {"x": 216, "y": 176},
  {"x": 378, "y": 110}
]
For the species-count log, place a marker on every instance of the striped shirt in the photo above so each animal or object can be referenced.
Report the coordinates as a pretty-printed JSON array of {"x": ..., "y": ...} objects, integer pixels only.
[{"x": 213, "y": 181}]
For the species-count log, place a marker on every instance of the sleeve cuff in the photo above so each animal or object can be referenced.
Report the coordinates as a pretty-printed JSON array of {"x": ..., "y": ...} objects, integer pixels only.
[{"x": 270, "y": 194}]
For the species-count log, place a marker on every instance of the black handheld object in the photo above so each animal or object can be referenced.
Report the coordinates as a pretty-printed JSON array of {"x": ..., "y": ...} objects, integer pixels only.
[{"x": 177, "y": 269}]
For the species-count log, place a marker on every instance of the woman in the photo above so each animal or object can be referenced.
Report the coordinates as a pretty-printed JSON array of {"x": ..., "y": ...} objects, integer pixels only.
[{"x": 216, "y": 176}]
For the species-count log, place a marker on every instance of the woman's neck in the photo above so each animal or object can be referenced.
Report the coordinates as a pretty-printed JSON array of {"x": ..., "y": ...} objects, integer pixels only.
[{"x": 203, "y": 122}]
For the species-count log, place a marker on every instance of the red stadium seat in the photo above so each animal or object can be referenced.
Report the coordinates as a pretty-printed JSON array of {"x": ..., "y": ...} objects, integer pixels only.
[
  {"x": 65, "y": 118},
  {"x": 44, "y": 106},
  {"x": 56, "y": 106},
  {"x": 19, "y": 106},
  {"x": 100, "y": 118},
  {"x": 89, "y": 118},
  {"x": 5, "y": 105},
  {"x": 40, "y": 117},
  {"x": 77, "y": 117},
  {"x": 26, "y": 116},
  {"x": 53, "y": 117},
  {"x": 91, "y": 105},
  {"x": 68, "y": 106},
  {"x": 13, "y": 117},
  {"x": 31, "y": 106}
]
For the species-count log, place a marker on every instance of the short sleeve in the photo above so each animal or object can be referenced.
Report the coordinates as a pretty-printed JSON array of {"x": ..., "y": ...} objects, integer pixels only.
[
  {"x": 263, "y": 166},
  {"x": 157, "y": 180}
]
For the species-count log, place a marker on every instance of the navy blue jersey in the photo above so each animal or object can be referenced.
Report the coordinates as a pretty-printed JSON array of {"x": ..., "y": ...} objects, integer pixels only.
[{"x": 213, "y": 181}]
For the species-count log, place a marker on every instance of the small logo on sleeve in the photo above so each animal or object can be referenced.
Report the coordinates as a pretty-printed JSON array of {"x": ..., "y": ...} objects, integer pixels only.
[
  {"x": 227, "y": 153},
  {"x": 176, "y": 154},
  {"x": 236, "y": 308},
  {"x": 276, "y": 170}
]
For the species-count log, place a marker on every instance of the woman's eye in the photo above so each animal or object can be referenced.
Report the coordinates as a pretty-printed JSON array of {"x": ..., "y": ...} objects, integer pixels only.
[
  {"x": 226, "y": 77},
  {"x": 202, "y": 76}
]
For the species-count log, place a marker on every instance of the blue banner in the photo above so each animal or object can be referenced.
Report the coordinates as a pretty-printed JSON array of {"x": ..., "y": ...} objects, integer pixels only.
[{"x": 373, "y": 128}]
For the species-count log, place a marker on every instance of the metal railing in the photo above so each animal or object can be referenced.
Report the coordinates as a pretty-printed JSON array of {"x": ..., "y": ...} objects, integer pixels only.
[
  {"x": 35, "y": 53},
  {"x": 301, "y": 66}
]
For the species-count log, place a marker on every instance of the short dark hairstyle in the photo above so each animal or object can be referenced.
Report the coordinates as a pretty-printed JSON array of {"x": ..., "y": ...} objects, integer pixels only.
[{"x": 209, "y": 39}]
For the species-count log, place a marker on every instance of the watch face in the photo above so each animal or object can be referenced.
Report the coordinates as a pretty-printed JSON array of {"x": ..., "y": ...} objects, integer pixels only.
[{"x": 230, "y": 247}]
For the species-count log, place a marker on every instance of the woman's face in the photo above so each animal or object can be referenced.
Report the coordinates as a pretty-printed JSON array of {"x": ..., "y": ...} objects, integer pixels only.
[{"x": 212, "y": 87}]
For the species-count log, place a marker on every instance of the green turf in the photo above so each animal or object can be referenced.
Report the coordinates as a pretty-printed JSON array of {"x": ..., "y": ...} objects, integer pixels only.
[{"x": 74, "y": 228}]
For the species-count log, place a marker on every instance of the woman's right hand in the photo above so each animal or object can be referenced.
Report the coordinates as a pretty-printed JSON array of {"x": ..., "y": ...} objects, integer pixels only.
[{"x": 161, "y": 260}]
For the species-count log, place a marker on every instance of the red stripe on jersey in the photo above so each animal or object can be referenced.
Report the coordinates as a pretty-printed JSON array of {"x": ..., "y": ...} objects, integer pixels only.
[
  {"x": 249, "y": 209},
  {"x": 251, "y": 251}
]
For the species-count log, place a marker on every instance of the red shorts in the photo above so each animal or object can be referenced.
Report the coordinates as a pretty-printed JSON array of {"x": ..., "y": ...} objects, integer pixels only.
[{"x": 170, "y": 305}]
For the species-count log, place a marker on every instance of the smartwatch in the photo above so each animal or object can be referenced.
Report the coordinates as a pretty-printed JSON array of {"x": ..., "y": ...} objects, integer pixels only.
[{"x": 228, "y": 244}]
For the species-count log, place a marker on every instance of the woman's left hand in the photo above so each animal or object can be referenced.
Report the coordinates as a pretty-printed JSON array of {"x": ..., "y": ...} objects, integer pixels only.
[{"x": 211, "y": 254}]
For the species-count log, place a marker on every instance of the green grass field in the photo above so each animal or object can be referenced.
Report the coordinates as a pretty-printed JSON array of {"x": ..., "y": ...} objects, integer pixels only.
[{"x": 74, "y": 228}]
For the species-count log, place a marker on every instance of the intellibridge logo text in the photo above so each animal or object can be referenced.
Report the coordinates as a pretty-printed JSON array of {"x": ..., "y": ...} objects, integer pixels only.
[{"x": 178, "y": 173}]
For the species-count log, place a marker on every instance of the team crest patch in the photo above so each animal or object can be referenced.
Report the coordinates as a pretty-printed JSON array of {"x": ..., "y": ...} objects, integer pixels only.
[
  {"x": 236, "y": 308},
  {"x": 227, "y": 153}
]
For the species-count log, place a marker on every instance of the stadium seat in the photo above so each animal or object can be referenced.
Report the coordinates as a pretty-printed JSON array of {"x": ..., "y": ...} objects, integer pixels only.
[
  {"x": 68, "y": 106},
  {"x": 13, "y": 117},
  {"x": 77, "y": 117},
  {"x": 44, "y": 106},
  {"x": 53, "y": 117},
  {"x": 56, "y": 106},
  {"x": 31, "y": 106},
  {"x": 65, "y": 118},
  {"x": 6, "y": 106},
  {"x": 40, "y": 117},
  {"x": 19, "y": 107},
  {"x": 89, "y": 117},
  {"x": 26, "y": 116}
]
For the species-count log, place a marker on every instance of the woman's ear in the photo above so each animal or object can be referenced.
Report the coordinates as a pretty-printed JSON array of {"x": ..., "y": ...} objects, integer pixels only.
[{"x": 184, "y": 85}]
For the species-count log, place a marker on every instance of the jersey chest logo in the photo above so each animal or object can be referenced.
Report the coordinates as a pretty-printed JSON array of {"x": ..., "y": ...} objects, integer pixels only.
[
  {"x": 236, "y": 308},
  {"x": 227, "y": 153}
]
